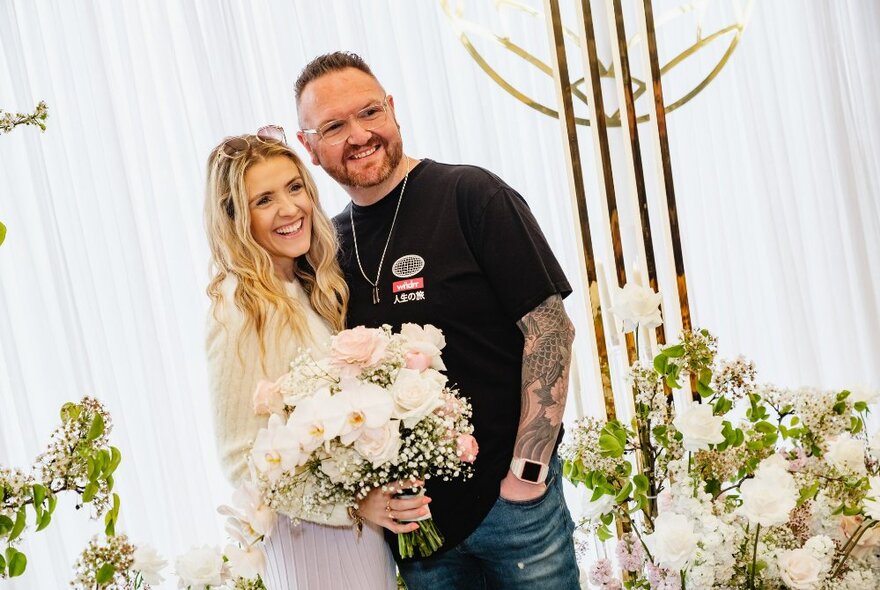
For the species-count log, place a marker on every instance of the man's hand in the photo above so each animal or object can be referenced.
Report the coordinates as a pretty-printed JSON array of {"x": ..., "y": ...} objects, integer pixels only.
[{"x": 516, "y": 490}]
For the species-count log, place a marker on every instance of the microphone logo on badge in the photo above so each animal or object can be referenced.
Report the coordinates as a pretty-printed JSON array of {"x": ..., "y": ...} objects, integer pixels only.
[{"x": 408, "y": 266}]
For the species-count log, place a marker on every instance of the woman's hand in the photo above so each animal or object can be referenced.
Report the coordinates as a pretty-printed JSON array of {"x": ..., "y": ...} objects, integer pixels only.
[{"x": 382, "y": 508}]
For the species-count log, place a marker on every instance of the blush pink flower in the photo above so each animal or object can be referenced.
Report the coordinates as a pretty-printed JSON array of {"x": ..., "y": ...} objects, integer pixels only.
[
  {"x": 268, "y": 398},
  {"x": 355, "y": 349},
  {"x": 467, "y": 448},
  {"x": 418, "y": 361}
]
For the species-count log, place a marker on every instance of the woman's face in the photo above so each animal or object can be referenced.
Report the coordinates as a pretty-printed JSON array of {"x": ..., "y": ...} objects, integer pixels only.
[{"x": 281, "y": 211}]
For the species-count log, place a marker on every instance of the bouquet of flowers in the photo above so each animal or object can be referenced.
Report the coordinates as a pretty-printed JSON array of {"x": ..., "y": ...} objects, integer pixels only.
[
  {"x": 376, "y": 410},
  {"x": 754, "y": 487}
]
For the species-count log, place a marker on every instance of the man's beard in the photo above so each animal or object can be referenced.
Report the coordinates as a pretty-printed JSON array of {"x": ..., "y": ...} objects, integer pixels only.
[{"x": 368, "y": 178}]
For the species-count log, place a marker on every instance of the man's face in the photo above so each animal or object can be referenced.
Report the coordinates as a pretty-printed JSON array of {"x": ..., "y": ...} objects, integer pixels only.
[{"x": 366, "y": 158}]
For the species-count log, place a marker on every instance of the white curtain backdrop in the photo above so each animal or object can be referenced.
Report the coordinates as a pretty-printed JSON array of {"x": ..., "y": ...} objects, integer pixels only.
[{"x": 102, "y": 276}]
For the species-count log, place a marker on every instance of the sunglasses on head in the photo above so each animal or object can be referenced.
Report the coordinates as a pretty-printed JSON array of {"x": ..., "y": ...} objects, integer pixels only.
[{"x": 235, "y": 146}]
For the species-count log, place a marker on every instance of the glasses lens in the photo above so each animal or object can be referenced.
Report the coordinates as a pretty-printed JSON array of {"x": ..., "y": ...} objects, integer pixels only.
[
  {"x": 335, "y": 132},
  {"x": 272, "y": 132},
  {"x": 234, "y": 146}
]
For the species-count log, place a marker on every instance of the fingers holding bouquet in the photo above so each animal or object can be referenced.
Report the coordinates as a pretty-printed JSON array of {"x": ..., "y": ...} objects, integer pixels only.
[{"x": 399, "y": 513}]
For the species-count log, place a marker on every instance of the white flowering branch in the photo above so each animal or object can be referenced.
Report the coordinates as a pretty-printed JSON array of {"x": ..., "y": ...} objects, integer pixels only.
[{"x": 8, "y": 121}]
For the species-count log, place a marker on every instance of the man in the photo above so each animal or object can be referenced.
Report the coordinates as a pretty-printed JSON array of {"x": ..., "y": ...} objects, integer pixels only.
[{"x": 455, "y": 247}]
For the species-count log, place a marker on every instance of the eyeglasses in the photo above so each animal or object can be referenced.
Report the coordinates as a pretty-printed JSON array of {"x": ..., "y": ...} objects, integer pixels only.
[
  {"x": 338, "y": 131},
  {"x": 233, "y": 147}
]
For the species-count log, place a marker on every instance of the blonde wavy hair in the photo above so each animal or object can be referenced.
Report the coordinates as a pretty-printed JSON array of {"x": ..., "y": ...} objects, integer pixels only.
[{"x": 234, "y": 251}]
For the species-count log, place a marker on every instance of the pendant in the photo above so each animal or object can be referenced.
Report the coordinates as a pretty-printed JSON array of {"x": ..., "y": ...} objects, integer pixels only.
[{"x": 375, "y": 294}]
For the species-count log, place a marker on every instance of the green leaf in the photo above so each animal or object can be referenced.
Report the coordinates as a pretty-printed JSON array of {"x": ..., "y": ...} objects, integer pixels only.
[
  {"x": 105, "y": 574},
  {"x": 765, "y": 427},
  {"x": 566, "y": 469},
  {"x": 17, "y": 562},
  {"x": 20, "y": 521},
  {"x": 109, "y": 481},
  {"x": 609, "y": 446},
  {"x": 2, "y": 233},
  {"x": 641, "y": 482},
  {"x": 704, "y": 390},
  {"x": 89, "y": 492},
  {"x": 661, "y": 361},
  {"x": 70, "y": 411},
  {"x": 44, "y": 521},
  {"x": 855, "y": 424},
  {"x": 676, "y": 351},
  {"x": 839, "y": 407},
  {"x": 96, "y": 429},
  {"x": 39, "y": 494},
  {"x": 92, "y": 469},
  {"x": 603, "y": 533},
  {"x": 2, "y": 566},
  {"x": 861, "y": 406},
  {"x": 53, "y": 500},
  {"x": 624, "y": 493},
  {"x": 5, "y": 525},
  {"x": 842, "y": 395}
]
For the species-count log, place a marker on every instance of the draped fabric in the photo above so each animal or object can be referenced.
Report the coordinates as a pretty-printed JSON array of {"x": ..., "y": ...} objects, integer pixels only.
[{"x": 102, "y": 275}]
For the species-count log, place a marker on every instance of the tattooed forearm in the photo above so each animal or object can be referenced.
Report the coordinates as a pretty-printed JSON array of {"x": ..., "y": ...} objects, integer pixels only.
[{"x": 546, "y": 359}]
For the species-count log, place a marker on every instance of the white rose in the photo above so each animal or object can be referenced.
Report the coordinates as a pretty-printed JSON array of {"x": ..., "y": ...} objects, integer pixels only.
[
  {"x": 245, "y": 563},
  {"x": 416, "y": 395},
  {"x": 871, "y": 505},
  {"x": 200, "y": 567},
  {"x": 635, "y": 305},
  {"x": 593, "y": 510},
  {"x": 770, "y": 496},
  {"x": 699, "y": 427},
  {"x": 148, "y": 563},
  {"x": 800, "y": 569},
  {"x": 379, "y": 445},
  {"x": 863, "y": 393},
  {"x": 673, "y": 542},
  {"x": 847, "y": 455},
  {"x": 422, "y": 345}
]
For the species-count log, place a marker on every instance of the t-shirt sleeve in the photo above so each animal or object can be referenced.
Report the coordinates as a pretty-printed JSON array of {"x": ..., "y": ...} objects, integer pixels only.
[{"x": 514, "y": 254}]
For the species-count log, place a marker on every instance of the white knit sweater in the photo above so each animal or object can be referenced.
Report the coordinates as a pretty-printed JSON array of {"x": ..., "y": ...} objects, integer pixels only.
[{"x": 234, "y": 370}]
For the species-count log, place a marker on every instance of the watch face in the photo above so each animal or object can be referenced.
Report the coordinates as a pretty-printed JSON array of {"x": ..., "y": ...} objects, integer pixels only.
[{"x": 531, "y": 471}]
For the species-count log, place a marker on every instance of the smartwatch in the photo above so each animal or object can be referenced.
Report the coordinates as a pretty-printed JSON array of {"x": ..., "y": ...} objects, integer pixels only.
[{"x": 529, "y": 471}]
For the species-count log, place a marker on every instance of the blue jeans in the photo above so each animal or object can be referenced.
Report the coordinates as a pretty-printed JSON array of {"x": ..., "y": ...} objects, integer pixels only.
[{"x": 518, "y": 546}]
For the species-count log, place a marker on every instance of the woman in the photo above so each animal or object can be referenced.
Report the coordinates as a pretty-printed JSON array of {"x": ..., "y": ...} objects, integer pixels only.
[{"x": 276, "y": 286}]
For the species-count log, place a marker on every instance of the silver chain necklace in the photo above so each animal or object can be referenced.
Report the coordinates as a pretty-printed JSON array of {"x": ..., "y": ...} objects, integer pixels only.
[{"x": 375, "y": 284}]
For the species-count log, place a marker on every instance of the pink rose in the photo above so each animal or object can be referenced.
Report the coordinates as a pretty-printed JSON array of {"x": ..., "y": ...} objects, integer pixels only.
[
  {"x": 467, "y": 448},
  {"x": 869, "y": 539},
  {"x": 268, "y": 398},
  {"x": 418, "y": 361},
  {"x": 357, "y": 348}
]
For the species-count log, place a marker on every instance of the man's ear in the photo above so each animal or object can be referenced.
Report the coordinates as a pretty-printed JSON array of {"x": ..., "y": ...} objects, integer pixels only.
[{"x": 305, "y": 143}]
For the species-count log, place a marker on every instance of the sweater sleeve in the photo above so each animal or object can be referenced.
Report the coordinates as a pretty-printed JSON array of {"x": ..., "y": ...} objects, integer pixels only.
[{"x": 233, "y": 373}]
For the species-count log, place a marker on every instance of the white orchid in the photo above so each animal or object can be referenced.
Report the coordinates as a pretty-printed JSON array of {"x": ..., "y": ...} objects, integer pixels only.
[
  {"x": 276, "y": 449},
  {"x": 250, "y": 516},
  {"x": 318, "y": 419},
  {"x": 368, "y": 406}
]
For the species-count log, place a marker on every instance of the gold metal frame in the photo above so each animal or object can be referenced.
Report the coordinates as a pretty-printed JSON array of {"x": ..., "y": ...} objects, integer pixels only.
[{"x": 466, "y": 29}]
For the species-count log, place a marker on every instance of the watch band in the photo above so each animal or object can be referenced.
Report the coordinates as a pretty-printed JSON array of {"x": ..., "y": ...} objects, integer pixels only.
[{"x": 529, "y": 471}]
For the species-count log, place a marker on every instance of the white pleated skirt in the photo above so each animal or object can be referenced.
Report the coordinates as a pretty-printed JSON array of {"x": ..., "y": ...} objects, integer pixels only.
[{"x": 311, "y": 556}]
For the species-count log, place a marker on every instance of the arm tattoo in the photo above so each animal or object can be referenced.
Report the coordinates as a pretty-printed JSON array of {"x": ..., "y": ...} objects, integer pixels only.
[{"x": 546, "y": 359}]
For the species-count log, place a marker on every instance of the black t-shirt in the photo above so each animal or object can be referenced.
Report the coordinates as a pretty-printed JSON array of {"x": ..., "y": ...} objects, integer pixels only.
[{"x": 468, "y": 257}]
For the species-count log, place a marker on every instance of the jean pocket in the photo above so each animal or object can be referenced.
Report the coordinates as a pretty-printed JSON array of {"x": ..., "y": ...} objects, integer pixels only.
[{"x": 534, "y": 501}]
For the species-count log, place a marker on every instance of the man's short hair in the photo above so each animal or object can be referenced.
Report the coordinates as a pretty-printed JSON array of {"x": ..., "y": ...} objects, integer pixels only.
[{"x": 327, "y": 63}]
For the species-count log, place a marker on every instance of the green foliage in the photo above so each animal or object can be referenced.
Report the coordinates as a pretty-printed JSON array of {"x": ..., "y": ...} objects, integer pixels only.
[{"x": 2, "y": 233}]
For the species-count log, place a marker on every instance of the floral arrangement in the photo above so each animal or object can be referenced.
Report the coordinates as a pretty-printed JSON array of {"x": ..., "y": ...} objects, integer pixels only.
[
  {"x": 80, "y": 460},
  {"x": 376, "y": 410},
  {"x": 752, "y": 486}
]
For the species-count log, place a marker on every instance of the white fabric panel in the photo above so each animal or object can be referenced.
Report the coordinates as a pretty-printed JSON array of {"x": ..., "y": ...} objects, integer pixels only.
[{"x": 102, "y": 276}]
